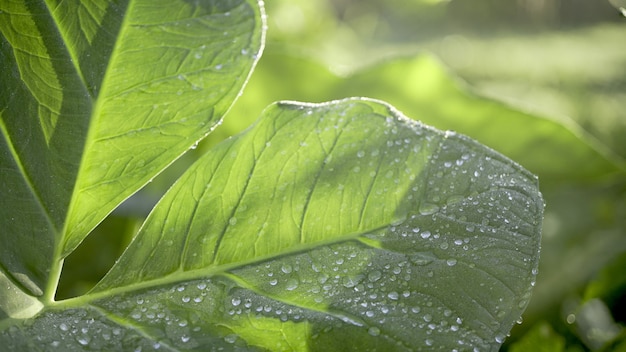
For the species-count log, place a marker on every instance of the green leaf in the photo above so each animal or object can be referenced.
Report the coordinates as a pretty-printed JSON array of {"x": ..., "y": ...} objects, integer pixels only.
[
  {"x": 338, "y": 226},
  {"x": 97, "y": 97},
  {"x": 541, "y": 338}
]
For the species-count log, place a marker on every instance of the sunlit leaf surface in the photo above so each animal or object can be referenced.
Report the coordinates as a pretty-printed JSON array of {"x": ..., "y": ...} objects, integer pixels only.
[
  {"x": 96, "y": 98},
  {"x": 340, "y": 226}
]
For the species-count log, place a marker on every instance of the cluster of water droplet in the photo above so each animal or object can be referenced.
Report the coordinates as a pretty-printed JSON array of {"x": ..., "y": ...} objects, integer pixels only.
[{"x": 75, "y": 330}]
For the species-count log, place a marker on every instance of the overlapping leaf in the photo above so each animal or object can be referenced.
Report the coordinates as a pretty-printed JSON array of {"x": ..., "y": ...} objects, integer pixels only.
[
  {"x": 340, "y": 226},
  {"x": 96, "y": 98}
]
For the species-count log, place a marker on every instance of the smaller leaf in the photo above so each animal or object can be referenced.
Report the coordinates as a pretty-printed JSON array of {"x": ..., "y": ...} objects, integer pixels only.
[{"x": 14, "y": 303}]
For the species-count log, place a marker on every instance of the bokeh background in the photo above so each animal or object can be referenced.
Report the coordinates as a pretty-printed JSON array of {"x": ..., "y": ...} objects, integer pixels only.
[{"x": 542, "y": 81}]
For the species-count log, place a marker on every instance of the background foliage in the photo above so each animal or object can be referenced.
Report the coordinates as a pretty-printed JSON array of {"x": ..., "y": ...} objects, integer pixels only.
[{"x": 560, "y": 61}]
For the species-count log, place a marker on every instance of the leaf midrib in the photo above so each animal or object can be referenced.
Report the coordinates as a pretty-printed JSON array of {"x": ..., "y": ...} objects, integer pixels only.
[
  {"x": 90, "y": 139},
  {"x": 183, "y": 276}
]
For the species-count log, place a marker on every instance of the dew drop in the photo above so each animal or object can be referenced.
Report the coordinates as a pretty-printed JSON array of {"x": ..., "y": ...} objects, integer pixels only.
[
  {"x": 292, "y": 284},
  {"x": 451, "y": 262},
  {"x": 286, "y": 268},
  {"x": 83, "y": 340},
  {"x": 374, "y": 331},
  {"x": 428, "y": 209},
  {"x": 374, "y": 276}
]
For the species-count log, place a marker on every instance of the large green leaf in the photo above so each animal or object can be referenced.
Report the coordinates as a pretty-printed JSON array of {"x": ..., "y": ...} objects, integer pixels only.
[
  {"x": 338, "y": 226},
  {"x": 97, "y": 97}
]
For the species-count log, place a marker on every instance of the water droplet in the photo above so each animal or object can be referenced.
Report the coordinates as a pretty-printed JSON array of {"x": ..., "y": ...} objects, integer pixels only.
[
  {"x": 393, "y": 295},
  {"x": 232, "y": 221},
  {"x": 83, "y": 340},
  {"x": 422, "y": 258},
  {"x": 349, "y": 281},
  {"x": 428, "y": 209},
  {"x": 425, "y": 234},
  {"x": 292, "y": 284},
  {"x": 230, "y": 338},
  {"x": 374, "y": 276},
  {"x": 286, "y": 268},
  {"x": 374, "y": 331},
  {"x": 451, "y": 262}
]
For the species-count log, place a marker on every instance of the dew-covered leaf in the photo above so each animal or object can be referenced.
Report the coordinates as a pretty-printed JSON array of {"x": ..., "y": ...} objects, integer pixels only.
[
  {"x": 339, "y": 226},
  {"x": 96, "y": 98}
]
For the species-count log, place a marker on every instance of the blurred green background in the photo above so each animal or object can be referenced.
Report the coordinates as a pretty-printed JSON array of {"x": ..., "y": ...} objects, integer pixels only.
[{"x": 542, "y": 81}]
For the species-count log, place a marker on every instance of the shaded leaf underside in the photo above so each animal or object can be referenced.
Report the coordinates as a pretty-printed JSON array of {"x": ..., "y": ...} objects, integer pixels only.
[{"x": 341, "y": 226}]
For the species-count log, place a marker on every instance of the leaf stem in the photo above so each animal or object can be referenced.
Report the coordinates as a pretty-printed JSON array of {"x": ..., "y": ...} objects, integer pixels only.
[{"x": 53, "y": 280}]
